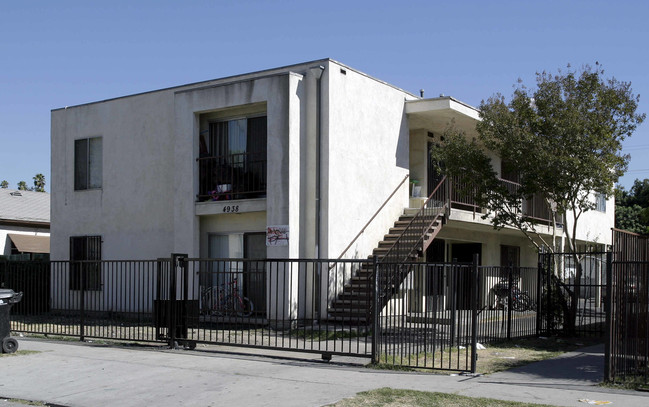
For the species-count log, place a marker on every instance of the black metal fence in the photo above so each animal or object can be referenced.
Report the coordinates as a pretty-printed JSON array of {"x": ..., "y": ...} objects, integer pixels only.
[
  {"x": 117, "y": 304},
  {"x": 628, "y": 339},
  {"x": 627, "y": 350},
  {"x": 429, "y": 319},
  {"x": 273, "y": 304},
  {"x": 573, "y": 293},
  {"x": 414, "y": 314},
  {"x": 508, "y": 303}
]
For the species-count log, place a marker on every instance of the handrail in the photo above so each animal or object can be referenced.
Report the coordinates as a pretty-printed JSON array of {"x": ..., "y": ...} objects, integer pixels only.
[
  {"x": 534, "y": 211},
  {"x": 373, "y": 216},
  {"x": 417, "y": 216}
]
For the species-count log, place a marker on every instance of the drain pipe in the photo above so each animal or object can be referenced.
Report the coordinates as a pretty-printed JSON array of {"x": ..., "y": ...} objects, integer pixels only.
[{"x": 317, "y": 73}]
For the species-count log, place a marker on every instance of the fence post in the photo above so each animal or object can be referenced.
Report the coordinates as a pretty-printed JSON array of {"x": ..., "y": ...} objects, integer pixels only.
[
  {"x": 474, "y": 315},
  {"x": 184, "y": 264},
  {"x": 82, "y": 301},
  {"x": 608, "y": 310},
  {"x": 173, "y": 282},
  {"x": 454, "y": 286},
  {"x": 550, "y": 258},
  {"x": 510, "y": 300},
  {"x": 375, "y": 312},
  {"x": 539, "y": 296}
]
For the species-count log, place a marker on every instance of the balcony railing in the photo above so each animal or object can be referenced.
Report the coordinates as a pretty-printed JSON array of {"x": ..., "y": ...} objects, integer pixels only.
[
  {"x": 463, "y": 197},
  {"x": 537, "y": 208},
  {"x": 232, "y": 176}
]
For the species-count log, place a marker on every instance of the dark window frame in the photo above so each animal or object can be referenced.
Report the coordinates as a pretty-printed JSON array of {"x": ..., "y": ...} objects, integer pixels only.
[{"x": 88, "y": 174}]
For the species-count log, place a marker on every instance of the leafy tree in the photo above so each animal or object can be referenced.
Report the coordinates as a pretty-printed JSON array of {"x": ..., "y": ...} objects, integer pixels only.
[
  {"x": 630, "y": 218},
  {"x": 632, "y": 207},
  {"x": 562, "y": 139},
  {"x": 39, "y": 183},
  {"x": 22, "y": 186},
  {"x": 639, "y": 194},
  {"x": 4, "y": 184}
]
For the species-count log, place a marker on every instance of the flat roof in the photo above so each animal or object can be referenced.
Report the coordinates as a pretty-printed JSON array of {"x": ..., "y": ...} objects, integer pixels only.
[{"x": 238, "y": 77}]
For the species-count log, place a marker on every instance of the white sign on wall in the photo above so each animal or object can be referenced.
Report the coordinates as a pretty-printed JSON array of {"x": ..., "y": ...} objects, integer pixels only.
[{"x": 277, "y": 235}]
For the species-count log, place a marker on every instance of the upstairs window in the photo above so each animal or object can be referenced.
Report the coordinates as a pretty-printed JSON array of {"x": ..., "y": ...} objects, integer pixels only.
[
  {"x": 600, "y": 202},
  {"x": 239, "y": 137},
  {"x": 87, "y": 163}
]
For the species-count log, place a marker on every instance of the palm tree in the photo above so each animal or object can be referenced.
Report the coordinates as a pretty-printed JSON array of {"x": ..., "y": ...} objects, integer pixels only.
[
  {"x": 4, "y": 184},
  {"x": 39, "y": 183},
  {"x": 22, "y": 186}
]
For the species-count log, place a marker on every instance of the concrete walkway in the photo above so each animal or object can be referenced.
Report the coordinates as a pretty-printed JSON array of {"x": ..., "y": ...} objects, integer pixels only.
[{"x": 74, "y": 374}]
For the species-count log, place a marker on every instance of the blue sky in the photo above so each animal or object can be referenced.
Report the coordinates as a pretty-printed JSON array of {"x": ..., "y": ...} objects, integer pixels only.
[{"x": 63, "y": 53}]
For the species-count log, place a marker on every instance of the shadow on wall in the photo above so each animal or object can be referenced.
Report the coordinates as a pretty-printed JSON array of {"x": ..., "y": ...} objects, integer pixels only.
[{"x": 402, "y": 154}]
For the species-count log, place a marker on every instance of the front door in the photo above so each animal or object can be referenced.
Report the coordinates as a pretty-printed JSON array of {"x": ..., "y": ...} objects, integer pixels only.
[{"x": 461, "y": 281}]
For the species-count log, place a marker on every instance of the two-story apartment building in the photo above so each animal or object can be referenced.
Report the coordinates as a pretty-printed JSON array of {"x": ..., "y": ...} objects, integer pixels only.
[{"x": 289, "y": 162}]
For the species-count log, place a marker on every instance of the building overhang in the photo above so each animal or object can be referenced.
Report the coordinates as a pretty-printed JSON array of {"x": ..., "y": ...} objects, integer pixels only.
[
  {"x": 437, "y": 114},
  {"x": 25, "y": 223}
]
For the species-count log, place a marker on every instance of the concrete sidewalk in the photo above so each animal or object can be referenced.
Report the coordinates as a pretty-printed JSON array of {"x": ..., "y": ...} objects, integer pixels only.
[{"x": 74, "y": 374}]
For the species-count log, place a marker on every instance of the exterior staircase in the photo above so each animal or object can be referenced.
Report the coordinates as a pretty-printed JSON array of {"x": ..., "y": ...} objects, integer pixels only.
[{"x": 406, "y": 241}]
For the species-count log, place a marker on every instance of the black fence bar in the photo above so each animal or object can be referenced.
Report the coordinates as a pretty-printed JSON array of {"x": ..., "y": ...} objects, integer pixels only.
[
  {"x": 574, "y": 294},
  {"x": 608, "y": 304}
]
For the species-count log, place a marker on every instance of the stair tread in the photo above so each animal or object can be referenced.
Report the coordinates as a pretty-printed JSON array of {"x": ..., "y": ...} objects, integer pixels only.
[{"x": 353, "y": 303}]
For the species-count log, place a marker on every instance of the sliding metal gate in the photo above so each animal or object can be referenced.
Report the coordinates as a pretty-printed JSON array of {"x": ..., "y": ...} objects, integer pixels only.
[{"x": 428, "y": 317}]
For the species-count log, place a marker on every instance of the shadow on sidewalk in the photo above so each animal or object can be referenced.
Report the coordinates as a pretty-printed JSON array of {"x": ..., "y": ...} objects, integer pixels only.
[{"x": 583, "y": 367}]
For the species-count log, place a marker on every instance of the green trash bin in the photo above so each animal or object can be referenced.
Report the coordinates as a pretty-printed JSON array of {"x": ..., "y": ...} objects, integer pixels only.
[{"x": 7, "y": 299}]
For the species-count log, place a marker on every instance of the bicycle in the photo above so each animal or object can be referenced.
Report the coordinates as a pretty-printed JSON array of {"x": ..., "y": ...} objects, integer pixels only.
[
  {"x": 225, "y": 300},
  {"x": 521, "y": 300}
]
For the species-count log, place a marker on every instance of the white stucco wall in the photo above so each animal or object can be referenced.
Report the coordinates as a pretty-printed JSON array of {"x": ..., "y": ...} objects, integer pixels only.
[
  {"x": 133, "y": 209},
  {"x": 594, "y": 226},
  {"x": 366, "y": 144}
]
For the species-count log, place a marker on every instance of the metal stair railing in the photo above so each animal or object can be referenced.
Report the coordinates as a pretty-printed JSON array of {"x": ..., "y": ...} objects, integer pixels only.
[
  {"x": 409, "y": 241},
  {"x": 415, "y": 234}
]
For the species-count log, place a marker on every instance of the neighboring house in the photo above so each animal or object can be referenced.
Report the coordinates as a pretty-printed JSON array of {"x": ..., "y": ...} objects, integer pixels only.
[
  {"x": 24, "y": 224},
  {"x": 289, "y": 162}
]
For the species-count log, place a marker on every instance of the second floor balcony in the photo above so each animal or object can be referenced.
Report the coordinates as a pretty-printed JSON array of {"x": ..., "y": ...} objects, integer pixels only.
[
  {"x": 232, "y": 176},
  {"x": 534, "y": 208}
]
